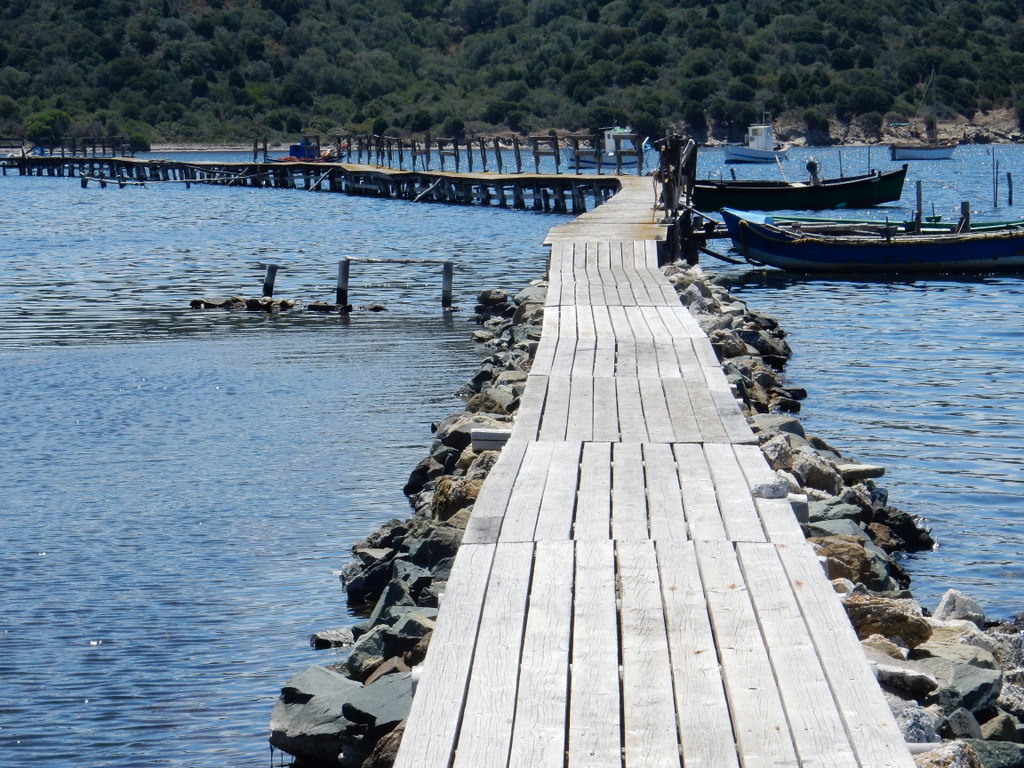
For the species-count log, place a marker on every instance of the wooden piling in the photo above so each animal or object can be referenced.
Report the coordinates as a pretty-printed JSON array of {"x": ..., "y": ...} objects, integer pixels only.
[{"x": 269, "y": 279}]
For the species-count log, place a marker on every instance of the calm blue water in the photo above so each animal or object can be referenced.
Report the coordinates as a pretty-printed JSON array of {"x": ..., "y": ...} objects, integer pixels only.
[{"x": 179, "y": 486}]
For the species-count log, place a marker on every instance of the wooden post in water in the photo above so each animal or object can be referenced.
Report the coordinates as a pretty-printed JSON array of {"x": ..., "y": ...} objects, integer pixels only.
[
  {"x": 446, "y": 285},
  {"x": 918, "y": 213},
  {"x": 1009, "y": 188},
  {"x": 497, "y": 154},
  {"x": 341, "y": 295},
  {"x": 268, "y": 280}
]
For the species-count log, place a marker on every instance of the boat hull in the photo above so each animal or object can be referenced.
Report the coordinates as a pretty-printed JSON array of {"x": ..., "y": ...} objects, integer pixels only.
[
  {"x": 921, "y": 151},
  {"x": 975, "y": 252},
  {"x": 851, "y": 192},
  {"x": 607, "y": 161},
  {"x": 739, "y": 153}
]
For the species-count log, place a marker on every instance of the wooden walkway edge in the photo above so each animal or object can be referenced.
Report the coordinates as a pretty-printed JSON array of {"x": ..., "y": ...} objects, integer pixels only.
[{"x": 623, "y": 596}]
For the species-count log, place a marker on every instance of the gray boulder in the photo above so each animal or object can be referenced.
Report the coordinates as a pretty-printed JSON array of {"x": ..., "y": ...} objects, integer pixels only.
[
  {"x": 963, "y": 685},
  {"x": 307, "y": 721},
  {"x": 961, "y": 724},
  {"x": 998, "y": 754},
  {"x": 956, "y": 605}
]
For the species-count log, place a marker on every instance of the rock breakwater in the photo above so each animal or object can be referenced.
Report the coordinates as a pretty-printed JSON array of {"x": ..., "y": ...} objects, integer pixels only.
[{"x": 950, "y": 676}]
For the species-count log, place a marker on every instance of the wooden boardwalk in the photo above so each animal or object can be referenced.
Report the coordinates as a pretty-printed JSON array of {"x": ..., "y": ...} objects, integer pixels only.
[{"x": 623, "y": 596}]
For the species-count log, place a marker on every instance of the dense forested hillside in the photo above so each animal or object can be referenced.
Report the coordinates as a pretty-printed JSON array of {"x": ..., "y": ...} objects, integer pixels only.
[{"x": 219, "y": 70}]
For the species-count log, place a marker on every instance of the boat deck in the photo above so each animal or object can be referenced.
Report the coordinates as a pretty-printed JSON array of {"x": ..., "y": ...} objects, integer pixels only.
[{"x": 624, "y": 595}]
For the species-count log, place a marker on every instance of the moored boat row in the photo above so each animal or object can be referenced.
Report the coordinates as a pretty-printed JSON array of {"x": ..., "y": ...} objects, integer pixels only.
[{"x": 872, "y": 248}]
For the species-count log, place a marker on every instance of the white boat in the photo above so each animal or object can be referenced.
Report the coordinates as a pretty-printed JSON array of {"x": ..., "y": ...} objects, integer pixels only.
[
  {"x": 760, "y": 147},
  {"x": 922, "y": 150},
  {"x": 929, "y": 148},
  {"x": 617, "y": 145}
]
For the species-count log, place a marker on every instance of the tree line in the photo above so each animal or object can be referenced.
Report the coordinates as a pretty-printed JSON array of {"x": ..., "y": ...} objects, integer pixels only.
[{"x": 232, "y": 70}]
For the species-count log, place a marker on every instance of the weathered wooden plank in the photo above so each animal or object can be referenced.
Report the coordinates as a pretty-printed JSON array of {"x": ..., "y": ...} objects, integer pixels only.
[
  {"x": 486, "y": 730},
  {"x": 818, "y": 730},
  {"x": 489, "y": 508},
  {"x": 605, "y": 353},
  {"x": 632, "y": 427},
  {"x": 680, "y": 322},
  {"x": 646, "y": 353},
  {"x": 594, "y": 703},
  {"x": 586, "y": 343},
  {"x": 540, "y": 734},
  {"x": 580, "y": 417},
  {"x": 433, "y": 723},
  {"x": 739, "y": 514},
  {"x": 657, "y": 416},
  {"x": 759, "y": 721},
  {"x": 617, "y": 289},
  {"x": 873, "y": 731},
  {"x": 531, "y": 407},
  {"x": 558, "y": 504},
  {"x": 524, "y": 502},
  {"x": 606, "y": 410},
  {"x": 629, "y": 500},
  {"x": 593, "y": 505},
  {"x": 650, "y": 736},
  {"x": 556, "y": 407},
  {"x": 666, "y": 517},
  {"x": 625, "y": 344},
  {"x": 565, "y": 353},
  {"x": 700, "y": 501},
  {"x": 777, "y": 517},
  {"x": 549, "y": 339},
  {"x": 729, "y": 411},
  {"x": 685, "y": 426},
  {"x": 705, "y": 723}
]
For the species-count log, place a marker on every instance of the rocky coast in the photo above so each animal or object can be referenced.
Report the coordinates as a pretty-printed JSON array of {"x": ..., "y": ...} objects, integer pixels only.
[{"x": 954, "y": 680}]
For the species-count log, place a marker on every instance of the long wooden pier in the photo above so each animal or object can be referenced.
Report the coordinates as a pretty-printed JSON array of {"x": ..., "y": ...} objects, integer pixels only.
[
  {"x": 625, "y": 595},
  {"x": 558, "y": 193}
]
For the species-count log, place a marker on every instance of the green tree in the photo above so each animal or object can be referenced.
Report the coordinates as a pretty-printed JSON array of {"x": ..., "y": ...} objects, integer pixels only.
[{"x": 47, "y": 126}]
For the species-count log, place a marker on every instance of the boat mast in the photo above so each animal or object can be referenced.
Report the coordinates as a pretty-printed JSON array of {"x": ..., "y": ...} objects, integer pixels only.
[{"x": 933, "y": 126}]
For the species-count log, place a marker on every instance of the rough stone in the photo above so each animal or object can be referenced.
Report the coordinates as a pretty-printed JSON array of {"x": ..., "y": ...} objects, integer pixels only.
[
  {"x": 961, "y": 724},
  {"x": 832, "y": 509},
  {"x": 963, "y": 685},
  {"x": 815, "y": 472},
  {"x": 854, "y": 558},
  {"x": 838, "y": 527},
  {"x": 331, "y": 638},
  {"x": 778, "y": 452},
  {"x": 385, "y": 751},
  {"x": 443, "y": 542},
  {"x": 956, "y": 605},
  {"x": 368, "y": 652},
  {"x": 777, "y": 422},
  {"x": 1002, "y": 727},
  {"x": 999, "y": 754},
  {"x": 954, "y": 754},
  {"x": 954, "y": 643},
  {"x": 894, "y": 619},
  {"x": 307, "y": 721},
  {"x": 919, "y": 725}
]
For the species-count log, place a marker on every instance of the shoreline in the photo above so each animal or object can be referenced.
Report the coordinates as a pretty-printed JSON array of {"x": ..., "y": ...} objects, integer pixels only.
[{"x": 921, "y": 658}]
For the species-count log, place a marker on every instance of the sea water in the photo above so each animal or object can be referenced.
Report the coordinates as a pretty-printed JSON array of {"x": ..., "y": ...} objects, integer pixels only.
[{"x": 180, "y": 487}]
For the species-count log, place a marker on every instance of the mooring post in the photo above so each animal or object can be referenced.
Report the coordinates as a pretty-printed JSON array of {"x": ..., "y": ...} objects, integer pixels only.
[
  {"x": 446, "y": 286},
  {"x": 1009, "y": 188},
  {"x": 268, "y": 280},
  {"x": 918, "y": 215},
  {"x": 341, "y": 295}
]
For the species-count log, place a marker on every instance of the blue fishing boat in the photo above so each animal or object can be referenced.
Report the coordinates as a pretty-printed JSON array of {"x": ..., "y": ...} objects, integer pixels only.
[{"x": 869, "y": 247}]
